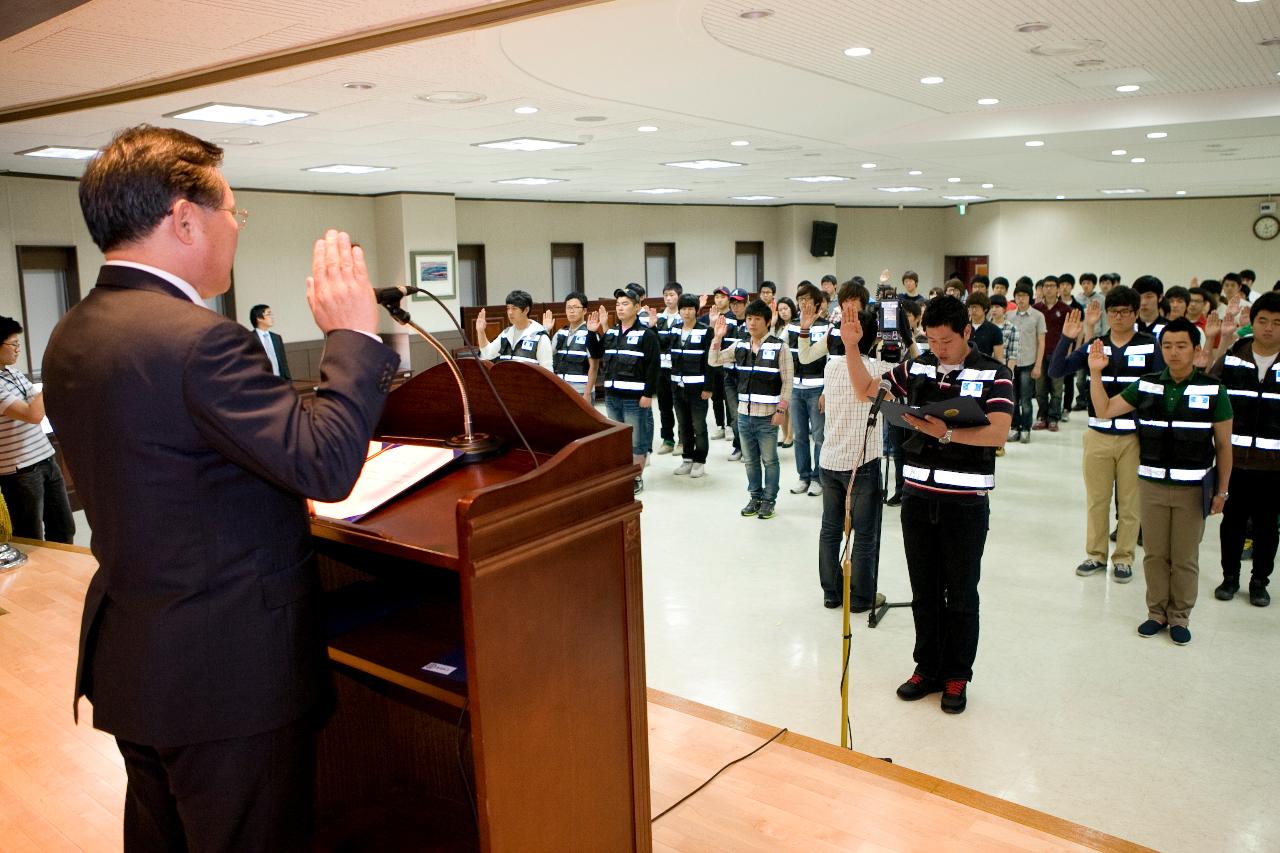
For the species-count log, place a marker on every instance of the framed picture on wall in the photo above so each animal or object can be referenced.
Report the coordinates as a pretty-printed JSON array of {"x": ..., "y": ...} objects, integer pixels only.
[{"x": 434, "y": 272}]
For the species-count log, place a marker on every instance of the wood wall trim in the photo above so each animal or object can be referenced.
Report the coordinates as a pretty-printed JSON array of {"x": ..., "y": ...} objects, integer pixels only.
[
  {"x": 432, "y": 27},
  {"x": 1029, "y": 817}
]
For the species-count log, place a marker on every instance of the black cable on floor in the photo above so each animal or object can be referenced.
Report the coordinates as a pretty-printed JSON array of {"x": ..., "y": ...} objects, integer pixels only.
[{"x": 779, "y": 734}]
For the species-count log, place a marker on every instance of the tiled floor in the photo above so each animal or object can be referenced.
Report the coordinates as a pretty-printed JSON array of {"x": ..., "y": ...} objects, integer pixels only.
[{"x": 1070, "y": 711}]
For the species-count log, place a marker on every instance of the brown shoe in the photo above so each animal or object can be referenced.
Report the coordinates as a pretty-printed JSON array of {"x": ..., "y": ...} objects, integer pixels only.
[{"x": 1053, "y": 426}]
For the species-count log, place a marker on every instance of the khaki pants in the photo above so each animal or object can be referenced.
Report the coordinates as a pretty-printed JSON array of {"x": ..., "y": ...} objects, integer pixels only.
[
  {"x": 1110, "y": 463},
  {"x": 1172, "y": 525}
]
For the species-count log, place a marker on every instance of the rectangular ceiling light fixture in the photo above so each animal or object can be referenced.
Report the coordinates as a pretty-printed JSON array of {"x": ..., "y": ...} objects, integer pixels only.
[
  {"x": 348, "y": 169},
  {"x": 1123, "y": 191},
  {"x": 901, "y": 189},
  {"x": 660, "y": 191},
  {"x": 703, "y": 164},
  {"x": 753, "y": 197},
  {"x": 819, "y": 179},
  {"x": 238, "y": 114},
  {"x": 965, "y": 197},
  {"x": 59, "y": 152},
  {"x": 526, "y": 143},
  {"x": 532, "y": 182}
]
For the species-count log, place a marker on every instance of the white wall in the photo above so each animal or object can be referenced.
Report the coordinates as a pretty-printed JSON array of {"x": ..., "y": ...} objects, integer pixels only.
[{"x": 874, "y": 239}]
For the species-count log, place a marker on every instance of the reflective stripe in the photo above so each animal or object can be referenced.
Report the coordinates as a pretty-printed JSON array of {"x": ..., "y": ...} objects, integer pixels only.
[
  {"x": 690, "y": 380},
  {"x": 1125, "y": 379},
  {"x": 1140, "y": 349},
  {"x": 807, "y": 382},
  {"x": 925, "y": 369},
  {"x": 624, "y": 385},
  {"x": 1149, "y": 471},
  {"x": 627, "y": 352},
  {"x": 971, "y": 373},
  {"x": 1201, "y": 390},
  {"x": 1123, "y": 424},
  {"x": 525, "y": 359},
  {"x": 1235, "y": 361},
  {"x": 1241, "y": 392},
  {"x": 1126, "y": 423},
  {"x": 1270, "y": 395},
  {"x": 950, "y": 478},
  {"x": 1242, "y": 440},
  {"x": 1191, "y": 425},
  {"x": 573, "y": 378},
  {"x": 1267, "y": 444},
  {"x": 1187, "y": 475},
  {"x": 664, "y": 360},
  {"x": 762, "y": 398},
  {"x": 1150, "y": 387},
  {"x": 1146, "y": 422}
]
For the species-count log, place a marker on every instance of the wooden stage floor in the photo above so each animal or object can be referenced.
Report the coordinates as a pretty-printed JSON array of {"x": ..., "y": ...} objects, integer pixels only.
[{"x": 62, "y": 785}]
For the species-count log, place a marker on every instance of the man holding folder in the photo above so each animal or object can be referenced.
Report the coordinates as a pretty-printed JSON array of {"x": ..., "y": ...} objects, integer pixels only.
[{"x": 949, "y": 470}]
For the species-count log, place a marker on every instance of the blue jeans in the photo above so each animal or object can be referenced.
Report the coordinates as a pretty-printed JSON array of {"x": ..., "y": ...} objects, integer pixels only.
[
  {"x": 866, "y": 511},
  {"x": 759, "y": 450},
  {"x": 627, "y": 410},
  {"x": 1026, "y": 390},
  {"x": 807, "y": 421}
]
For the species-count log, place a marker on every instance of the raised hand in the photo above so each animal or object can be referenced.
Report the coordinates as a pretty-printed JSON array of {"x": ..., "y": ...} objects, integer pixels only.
[
  {"x": 884, "y": 276},
  {"x": 713, "y": 314},
  {"x": 338, "y": 290},
  {"x": 1093, "y": 315},
  {"x": 1213, "y": 326},
  {"x": 593, "y": 322},
  {"x": 808, "y": 313},
  {"x": 1195, "y": 281},
  {"x": 851, "y": 333},
  {"x": 602, "y": 316},
  {"x": 720, "y": 325},
  {"x": 481, "y": 323},
  {"x": 1097, "y": 358},
  {"x": 1072, "y": 325},
  {"x": 702, "y": 301},
  {"x": 548, "y": 320}
]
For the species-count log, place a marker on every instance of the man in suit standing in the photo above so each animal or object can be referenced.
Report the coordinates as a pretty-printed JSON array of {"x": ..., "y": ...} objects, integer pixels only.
[
  {"x": 262, "y": 319},
  {"x": 202, "y": 645}
]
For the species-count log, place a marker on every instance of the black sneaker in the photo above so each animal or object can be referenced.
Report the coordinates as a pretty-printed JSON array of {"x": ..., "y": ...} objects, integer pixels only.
[
  {"x": 1180, "y": 634},
  {"x": 1150, "y": 628},
  {"x": 1227, "y": 589},
  {"x": 1090, "y": 567},
  {"x": 831, "y": 600},
  {"x": 752, "y": 507},
  {"x": 639, "y": 486},
  {"x": 953, "y": 698},
  {"x": 896, "y": 500},
  {"x": 918, "y": 687},
  {"x": 1258, "y": 595},
  {"x": 766, "y": 510},
  {"x": 1113, "y": 535}
]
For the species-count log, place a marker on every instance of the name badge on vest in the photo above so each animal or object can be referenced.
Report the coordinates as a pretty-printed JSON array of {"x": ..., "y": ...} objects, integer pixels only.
[
  {"x": 970, "y": 388},
  {"x": 769, "y": 354},
  {"x": 1137, "y": 359},
  {"x": 529, "y": 343},
  {"x": 1198, "y": 401},
  {"x": 580, "y": 338},
  {"x": 634, "y": 337}
]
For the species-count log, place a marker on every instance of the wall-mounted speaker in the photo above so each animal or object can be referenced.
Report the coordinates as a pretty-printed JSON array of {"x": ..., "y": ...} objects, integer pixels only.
[{"x": 823, "y": 242}]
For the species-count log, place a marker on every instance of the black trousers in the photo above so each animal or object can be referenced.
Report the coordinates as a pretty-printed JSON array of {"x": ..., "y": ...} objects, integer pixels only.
[
  {"x": 232, "y": 796},
  {"x": 717, "y": 395},
  {"x": 1254, "y": 496},
  {"x": 691, "y": 410},
  {"x": 38, "y": 505},
  {"x": 944, "y": 542},
  {"x": 666, "y": 413}
]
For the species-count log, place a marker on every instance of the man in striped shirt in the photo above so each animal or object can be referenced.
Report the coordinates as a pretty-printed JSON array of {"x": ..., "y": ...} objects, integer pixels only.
[{"x": 30, "y": 479}]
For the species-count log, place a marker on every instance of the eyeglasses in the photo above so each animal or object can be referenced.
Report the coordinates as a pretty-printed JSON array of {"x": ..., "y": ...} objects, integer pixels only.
[
  {"x": 14, "y": 344},
  {"x": 241, "y": 215},
  {"x": 1118, "y": 312}
]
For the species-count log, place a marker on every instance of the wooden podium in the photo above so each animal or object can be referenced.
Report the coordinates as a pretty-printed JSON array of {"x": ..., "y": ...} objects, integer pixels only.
[{"x": 527, "y": 580}]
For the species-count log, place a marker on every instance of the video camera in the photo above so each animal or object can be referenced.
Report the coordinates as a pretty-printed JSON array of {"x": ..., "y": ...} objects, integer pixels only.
[{"x": 888, "y": 322}]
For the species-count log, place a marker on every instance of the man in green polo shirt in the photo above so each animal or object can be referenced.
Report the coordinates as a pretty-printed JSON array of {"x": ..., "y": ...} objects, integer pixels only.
[{"x": 1184, "y": 429}]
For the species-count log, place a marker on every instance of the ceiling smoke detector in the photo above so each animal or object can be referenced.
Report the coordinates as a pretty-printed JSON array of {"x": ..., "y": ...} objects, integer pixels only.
[{"x": 1032, "y": 27}]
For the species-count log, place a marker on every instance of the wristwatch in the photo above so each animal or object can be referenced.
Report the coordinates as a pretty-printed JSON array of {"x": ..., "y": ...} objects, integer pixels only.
[
  {"x": 946, "y": 437},
  {"x": 1222, "y": 495}
]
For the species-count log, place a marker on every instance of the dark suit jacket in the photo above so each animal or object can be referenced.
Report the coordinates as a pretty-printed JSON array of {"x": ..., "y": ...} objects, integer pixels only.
[
  {"x": 203, "y": 620},
  {"x": 278, "y": 343}
]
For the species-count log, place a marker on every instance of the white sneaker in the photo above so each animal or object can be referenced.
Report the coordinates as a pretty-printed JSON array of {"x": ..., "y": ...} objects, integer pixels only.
[
  {"x": 684, "y": 468},
  {"x": 735, "y": 456},
  {"x": 679, "y": 449},
  {"x": 665, "y": 449},
  {"x": 800, "y": 488},
  {"x": 718, "y": 434},
  {"x": 815, "y": 489},
  {"x": 699, "y": 470}
]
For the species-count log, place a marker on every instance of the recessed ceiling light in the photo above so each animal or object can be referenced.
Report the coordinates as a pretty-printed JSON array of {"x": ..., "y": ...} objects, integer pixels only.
[
  {"x": 1137, "y": 159},
  {"x": 1034, "y": 143},
  {"x": 753, "y": 197},
  {"x": 1128, "y": 87},
  {"x": 953, "y": 180},
  {"x": 525, "y": 111},
  {"x": 1032, "y": 27},
  {"x": 988, "y": 102},
  {"x": 755, "y": 14},
  {"x": 59, "y": 152},
  {"x": 868, "y": 165},
  {"x": 526, "y": 144},
  {"x": 1059, "y": 197},
  {"x": 451, "y": 97},
  {"x": 857, "y": 51},
  {"x": 740, "y": 143},
  {"x": 1118, "y": 152},
  {"x": 1123, "y": 191},
  {"x": 237, "y": 114},
  {"x": 660, "y": 191},
  {"x": 1157, "y": 134},
  {"x": 703, "y": 164},
  {"x": 914, "y": 172},
  {"x": 988, "y": 186},
  {"x": 819, "y": 179},
  {"x": 591, "y": 118},
  {"x": 646, "y": 128},
  {"x": 901, "y": 189},
  {"x": 1246, "y": 1},
  {"x": 348, "y": 169},
  {"x": 932, "y": 81},
  {"x": 965, "y": 197},
  {"x": 1180, "y": 192},
  {"x": 532, "y": 182},
  {"x": 358, "y": 84}
]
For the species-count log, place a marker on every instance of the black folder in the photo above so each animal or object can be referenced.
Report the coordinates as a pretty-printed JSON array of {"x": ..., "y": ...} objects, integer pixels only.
[{"x": 956, "y": 412}]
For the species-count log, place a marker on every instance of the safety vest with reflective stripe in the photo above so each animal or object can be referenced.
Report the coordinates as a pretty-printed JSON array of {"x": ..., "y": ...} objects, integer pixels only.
[
  {"x": 570, "y": 358},
  {"x": 808, "y": 375},
  {"x": 1255, "y": 407},
  {"x": 835, "y": 343},
  {"x": 689, "y": 356},
  {"x": 954, "y": 468},
  {"x": 623, "y": 366},
  {"x": 759, "y": 371},
  {"x": 1176, "y": 447},
  {"x": 1125, "y": 366},
  {"x": 525, "y": 349},
  {"x": 668, "y": 329}
]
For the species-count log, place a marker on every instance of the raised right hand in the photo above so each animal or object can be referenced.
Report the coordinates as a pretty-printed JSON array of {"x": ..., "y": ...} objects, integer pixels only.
[
  {"x": 481, "y": 323},
  {"x": 338, "y": 290},
  {"x": 851, "y": 333},
  {"x": 721, "y": 326},
  {"x": 1072, "y": 325},
  {"x": 1097, "y": 358}
]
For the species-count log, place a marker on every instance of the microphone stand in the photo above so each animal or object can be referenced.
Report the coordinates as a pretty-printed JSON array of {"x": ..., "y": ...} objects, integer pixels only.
[{"x": 475, "y": 446}]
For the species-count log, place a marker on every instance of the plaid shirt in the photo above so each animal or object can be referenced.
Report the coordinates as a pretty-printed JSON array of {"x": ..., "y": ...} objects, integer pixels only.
[
  {"x": 847, "y": 416},
  {"x": 1010, "y": 333}
]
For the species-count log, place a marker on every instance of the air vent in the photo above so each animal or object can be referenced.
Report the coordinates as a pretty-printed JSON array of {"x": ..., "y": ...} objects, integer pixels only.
[{"x": 1067, "y": 48}]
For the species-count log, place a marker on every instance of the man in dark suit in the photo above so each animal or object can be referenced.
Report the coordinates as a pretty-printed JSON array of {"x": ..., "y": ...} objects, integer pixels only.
[
  {"x": 262, "y": 319},
  {"x": 202, "y": 645}
]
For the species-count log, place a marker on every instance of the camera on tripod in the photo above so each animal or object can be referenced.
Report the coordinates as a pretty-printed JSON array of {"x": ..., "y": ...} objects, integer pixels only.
[{"x": 888, "y": 318}]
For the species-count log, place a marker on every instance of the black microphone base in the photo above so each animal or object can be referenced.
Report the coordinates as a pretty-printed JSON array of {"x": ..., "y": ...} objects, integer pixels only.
[{"x": 477, "y": 447}]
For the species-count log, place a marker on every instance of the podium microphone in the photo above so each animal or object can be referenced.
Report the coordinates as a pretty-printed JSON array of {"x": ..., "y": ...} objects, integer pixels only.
[
  {"x": 885, "y": 386},
  {"x": 389, "y": 296}
]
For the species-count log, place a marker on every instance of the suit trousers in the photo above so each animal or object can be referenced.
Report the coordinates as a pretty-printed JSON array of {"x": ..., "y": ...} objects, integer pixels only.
[
  {"x": 1172, "y": 526},
  {"x": 241, "y": 795},
  {"x": 1110, "y": 464}
]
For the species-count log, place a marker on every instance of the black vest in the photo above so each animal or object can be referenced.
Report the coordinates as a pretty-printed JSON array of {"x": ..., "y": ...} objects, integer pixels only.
[
  {"x": 760, "y": 371},
  {"x": 525, "y": 349},
  {"x": 689, "y": 356},
  {"x": 1255, "y": 429},
  {"x": 668, "y": 329},
  {"x": 1177, "y": 446},
  {"x": 835, "y": 343},
  {"x": 623, "y": 365},
  {"x": 808, "y": 375},
  {"x": 570, "y": 358},
  {"x": 1125, "y": 366},
  {"x": 961, "y": 469}
]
